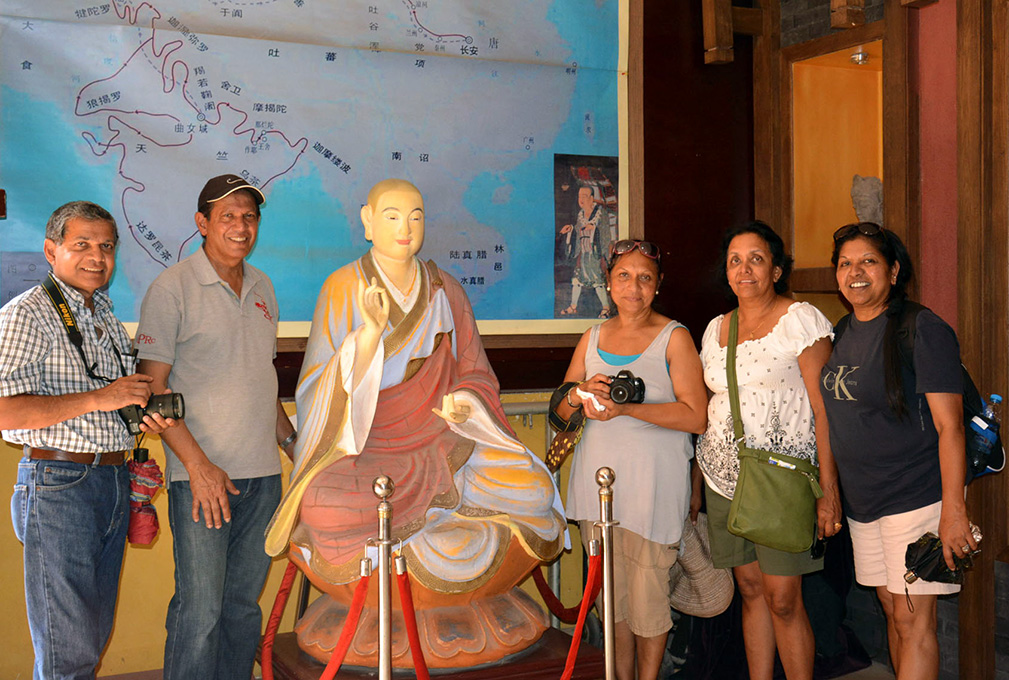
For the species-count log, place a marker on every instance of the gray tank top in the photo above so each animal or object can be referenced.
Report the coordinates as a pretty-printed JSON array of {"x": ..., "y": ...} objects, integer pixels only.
[{"x": 651, "y": 494}]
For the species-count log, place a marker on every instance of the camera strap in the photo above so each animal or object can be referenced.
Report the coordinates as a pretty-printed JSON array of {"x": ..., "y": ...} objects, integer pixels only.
[
  {"x": 65, "y": 314},
  {"x": 77, "y": 339}
]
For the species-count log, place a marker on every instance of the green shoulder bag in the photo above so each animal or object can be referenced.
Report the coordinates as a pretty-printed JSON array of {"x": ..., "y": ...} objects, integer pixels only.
[{"x": 775, "y": 499}]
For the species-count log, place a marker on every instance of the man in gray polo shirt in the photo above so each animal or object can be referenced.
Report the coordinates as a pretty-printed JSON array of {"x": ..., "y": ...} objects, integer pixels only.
[{"x": 208, "y": 329}]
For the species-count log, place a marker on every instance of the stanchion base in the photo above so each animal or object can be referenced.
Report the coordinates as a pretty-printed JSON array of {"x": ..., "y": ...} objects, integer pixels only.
[{"x": 542, "y": 661}]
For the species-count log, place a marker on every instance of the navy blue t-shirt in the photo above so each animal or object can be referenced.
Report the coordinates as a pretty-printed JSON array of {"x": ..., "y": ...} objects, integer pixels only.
[{"x": 887, "y": 465}]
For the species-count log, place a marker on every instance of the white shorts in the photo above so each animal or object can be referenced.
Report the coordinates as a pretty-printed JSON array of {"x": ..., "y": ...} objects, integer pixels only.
[{"x": 880, "y": 547}]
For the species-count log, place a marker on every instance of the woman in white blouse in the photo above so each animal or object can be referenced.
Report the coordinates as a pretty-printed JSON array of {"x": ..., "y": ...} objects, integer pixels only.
[{"x": 782, "y": 346}]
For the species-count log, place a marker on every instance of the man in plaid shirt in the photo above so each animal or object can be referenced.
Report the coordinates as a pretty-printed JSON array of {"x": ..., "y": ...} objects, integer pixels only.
[{"x": 71, "y": 501}]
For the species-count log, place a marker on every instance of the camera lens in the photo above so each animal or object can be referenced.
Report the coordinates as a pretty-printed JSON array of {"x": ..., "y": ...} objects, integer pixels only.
[
  {"x": 167, "y": 405},
  {"x": 619, "y": 394}
]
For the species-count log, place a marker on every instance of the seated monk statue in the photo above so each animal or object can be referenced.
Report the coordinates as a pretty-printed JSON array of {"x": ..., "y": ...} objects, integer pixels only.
[{"x": 395, "y": 382}]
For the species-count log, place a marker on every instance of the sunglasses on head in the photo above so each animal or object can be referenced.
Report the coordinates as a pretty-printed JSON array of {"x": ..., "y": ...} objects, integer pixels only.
[
  {"x": 864, "y": 228},
  {"x": 627, "y": 245}
]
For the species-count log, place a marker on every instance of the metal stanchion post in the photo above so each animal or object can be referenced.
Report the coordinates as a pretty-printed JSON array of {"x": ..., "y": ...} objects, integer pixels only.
[
  {"x": 554, "y": 570},
  {"x": 605, "y": 478},
  {"x": 383, "y": 488}
]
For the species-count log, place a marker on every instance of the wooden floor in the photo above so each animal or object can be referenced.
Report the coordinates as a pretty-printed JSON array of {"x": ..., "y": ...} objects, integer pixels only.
[{"x": 876, "y": 671}]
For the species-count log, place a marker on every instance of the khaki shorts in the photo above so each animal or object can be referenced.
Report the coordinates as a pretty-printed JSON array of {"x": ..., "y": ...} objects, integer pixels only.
[
  {"x": 729, "y": 550},
  {"x": 640, "y": 580},
  {"x": 880, "y": 546}
]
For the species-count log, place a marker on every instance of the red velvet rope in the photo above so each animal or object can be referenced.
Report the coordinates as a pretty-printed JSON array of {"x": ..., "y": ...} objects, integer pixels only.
[
  {"x": 266, "y": 659},
  {"x": 592, "y": 585},
  {"x": 349, "y": 629},
  {"x": 410, "y": 618},
  {"x": 565, "y": 614}
]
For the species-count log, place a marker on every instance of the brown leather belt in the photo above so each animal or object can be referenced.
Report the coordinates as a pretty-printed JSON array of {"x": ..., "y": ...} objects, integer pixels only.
[{"x": 110, "y": 458}]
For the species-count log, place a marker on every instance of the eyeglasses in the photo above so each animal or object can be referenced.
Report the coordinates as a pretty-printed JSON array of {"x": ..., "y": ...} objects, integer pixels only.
[
  {"x": 627, "y": 245},
  {"x": 869, "y": 229}
]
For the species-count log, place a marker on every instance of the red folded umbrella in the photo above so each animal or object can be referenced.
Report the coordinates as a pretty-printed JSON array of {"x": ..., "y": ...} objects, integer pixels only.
[{"x": 145, "y": 480}]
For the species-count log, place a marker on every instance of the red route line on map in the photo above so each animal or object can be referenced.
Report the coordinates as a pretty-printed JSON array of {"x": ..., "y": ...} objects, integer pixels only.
[
  {"x": 168, "y": 82},
  {"x": 413, "y": 15}
]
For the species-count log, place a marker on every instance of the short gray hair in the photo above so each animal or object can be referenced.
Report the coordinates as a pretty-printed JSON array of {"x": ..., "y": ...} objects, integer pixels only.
[{"x": 56, "y": 227}]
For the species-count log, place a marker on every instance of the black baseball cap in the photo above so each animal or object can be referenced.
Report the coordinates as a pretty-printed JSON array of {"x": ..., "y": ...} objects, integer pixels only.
[{"x": 224, "y": 185}]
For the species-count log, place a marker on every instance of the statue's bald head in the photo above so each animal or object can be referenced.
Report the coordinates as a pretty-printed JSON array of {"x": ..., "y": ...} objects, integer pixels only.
[
  {"x": 391, "y": 184},
  {"x": 394, "y": 221}
]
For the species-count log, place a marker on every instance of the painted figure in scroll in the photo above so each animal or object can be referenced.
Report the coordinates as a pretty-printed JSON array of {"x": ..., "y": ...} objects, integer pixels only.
[
  {"x": 587, "y": 244},
  {"x": 396, "y": 382}
]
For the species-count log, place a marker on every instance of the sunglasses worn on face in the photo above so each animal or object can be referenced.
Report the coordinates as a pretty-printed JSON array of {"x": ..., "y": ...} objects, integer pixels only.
[
  {"x": 864, "y": 228},
  {"x": 627, "y": 245}
]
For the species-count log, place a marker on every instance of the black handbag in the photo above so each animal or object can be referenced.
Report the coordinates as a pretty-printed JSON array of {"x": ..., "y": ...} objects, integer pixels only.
[{"x": 775, "y": 499}]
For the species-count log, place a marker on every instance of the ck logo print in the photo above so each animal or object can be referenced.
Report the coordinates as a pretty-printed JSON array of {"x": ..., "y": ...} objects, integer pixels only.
[{"x": 839, "y": 381}]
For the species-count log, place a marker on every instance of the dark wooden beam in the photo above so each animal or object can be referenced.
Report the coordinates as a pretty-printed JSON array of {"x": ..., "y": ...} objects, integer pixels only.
[
  {"x": 747, "y": 21},
  {"x": 847, "y": 13},
  {"x": 636, "y": 119},
  {"x": 717, "y": 20},
  {"x": 767, "y": 123},
  {"x": 813, "y": 280},
  {"x": 915, "y": 4},
  {"x": 983, "y": 297},
  {"x": 901, "y": 148}
]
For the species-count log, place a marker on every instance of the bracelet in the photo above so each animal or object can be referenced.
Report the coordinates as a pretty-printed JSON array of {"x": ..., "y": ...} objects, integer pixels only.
[
  {"x": 291, "y": 438},
  {"x": 567, "y": 398}
]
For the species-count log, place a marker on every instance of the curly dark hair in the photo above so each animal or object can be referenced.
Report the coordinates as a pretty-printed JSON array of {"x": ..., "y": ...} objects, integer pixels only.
[{"x": 779, "y": 258}]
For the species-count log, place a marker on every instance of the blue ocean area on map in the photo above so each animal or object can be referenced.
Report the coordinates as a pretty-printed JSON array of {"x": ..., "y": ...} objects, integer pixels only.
[
  {"x": 42, "y": 134},
  {"x": 301, "y": 248},
  {"x": 594, "y": 18}
]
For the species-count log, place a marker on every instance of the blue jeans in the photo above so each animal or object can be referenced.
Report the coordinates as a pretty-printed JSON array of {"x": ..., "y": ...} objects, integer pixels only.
[
  {"x": 72, "y": 520},
  {"x": 214, "y": 621}
]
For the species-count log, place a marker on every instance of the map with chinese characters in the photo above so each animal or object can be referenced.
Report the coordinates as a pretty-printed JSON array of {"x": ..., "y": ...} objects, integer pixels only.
[{"x": 134, "y": 105}]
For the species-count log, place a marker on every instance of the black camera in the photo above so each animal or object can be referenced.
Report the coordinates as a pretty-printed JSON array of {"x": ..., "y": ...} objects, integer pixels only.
[
  {"x": 168, "y": 405},
  {"x": 626, "y": 389}
]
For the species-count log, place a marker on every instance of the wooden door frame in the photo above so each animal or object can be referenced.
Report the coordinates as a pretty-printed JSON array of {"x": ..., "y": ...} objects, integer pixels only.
[
  {"x": 772, "y": 102},
  {"x": 983, "y": 291}
]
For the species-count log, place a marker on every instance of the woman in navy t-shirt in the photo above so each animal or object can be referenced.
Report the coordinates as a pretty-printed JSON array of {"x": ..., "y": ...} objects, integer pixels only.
[{"x": 896, "y": 431}]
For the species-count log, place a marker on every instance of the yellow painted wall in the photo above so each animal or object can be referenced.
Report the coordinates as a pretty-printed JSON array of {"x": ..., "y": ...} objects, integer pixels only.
[
  {"x": 836, "y": 133},
  {"x": 147, "y": 584}
]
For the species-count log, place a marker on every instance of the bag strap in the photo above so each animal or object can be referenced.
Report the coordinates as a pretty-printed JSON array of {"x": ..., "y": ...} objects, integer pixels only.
[
  {"x": 577, "y": 418},
  {"x": 800, "y": 465},
  {"x": 730, "y": 369}
]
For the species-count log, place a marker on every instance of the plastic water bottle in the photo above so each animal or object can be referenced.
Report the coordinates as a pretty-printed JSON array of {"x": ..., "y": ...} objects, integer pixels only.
[
  {"x": 984, "y": 432},
  {"x": 993, "y": 411}
]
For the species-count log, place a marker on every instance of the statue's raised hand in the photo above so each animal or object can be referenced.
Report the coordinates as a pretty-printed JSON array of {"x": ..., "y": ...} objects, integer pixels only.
[{"x": 373, "y": 301}]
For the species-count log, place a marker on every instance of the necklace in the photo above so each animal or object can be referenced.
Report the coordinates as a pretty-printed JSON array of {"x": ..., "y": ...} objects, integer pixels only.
[{"x": 758, "y": 326}]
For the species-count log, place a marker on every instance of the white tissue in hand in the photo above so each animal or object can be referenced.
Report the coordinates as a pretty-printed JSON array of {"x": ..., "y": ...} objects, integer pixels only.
[{"x": 591, "y": 398}]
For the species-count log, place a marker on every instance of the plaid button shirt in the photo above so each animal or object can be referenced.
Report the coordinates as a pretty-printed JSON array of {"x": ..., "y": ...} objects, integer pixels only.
[{"x": 37, "y": 357}]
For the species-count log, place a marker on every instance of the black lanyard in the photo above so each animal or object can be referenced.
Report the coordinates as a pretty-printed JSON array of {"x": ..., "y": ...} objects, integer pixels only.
[{"x": 73, "y": 330}]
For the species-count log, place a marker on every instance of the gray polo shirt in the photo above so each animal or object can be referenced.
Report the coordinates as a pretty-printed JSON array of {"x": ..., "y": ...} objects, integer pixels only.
[{"x": 221, "y": 347}]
